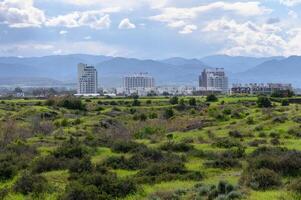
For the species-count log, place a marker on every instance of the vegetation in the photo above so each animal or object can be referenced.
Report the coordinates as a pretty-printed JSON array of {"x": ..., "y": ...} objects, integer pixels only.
[{"x": 180, "y": 148}]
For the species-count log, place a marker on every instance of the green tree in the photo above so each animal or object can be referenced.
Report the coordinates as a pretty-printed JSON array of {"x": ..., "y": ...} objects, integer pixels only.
[{"x": 264, "y": 102}]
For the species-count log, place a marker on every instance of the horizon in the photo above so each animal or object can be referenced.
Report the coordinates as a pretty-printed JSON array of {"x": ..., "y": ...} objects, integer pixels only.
[
  {"x": 155, "y": 59},
  {"x": 150, "y": 29}
]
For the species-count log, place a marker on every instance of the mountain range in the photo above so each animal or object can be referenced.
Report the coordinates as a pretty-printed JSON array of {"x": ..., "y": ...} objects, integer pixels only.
[{"x": 61, "y": 69}]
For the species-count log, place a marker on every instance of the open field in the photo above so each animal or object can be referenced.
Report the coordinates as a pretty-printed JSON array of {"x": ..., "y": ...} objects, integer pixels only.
[{"x": 149, "y": 148}]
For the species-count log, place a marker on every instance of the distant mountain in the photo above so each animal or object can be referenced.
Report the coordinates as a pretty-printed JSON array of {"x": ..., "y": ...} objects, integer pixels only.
[
  {"x": 235, "y": 64},
  {"x": 287, "y": 70},
  {"x": 182, "y": 61},
  {"x": 17, "y": 70},
  {"x": 61, "y": 67},
  {"x": 29, "y": 81},
  {"x": 173, "y": 71},
  {"x": 164, "y": 73}
]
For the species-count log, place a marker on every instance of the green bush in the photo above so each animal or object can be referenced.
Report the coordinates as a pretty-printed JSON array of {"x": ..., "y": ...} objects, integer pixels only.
[
  {"x": 295, "y": 186},
  {"x": 136, "y": 102},
  {"x": 126, "y": 146},
  {"x": 7, "y": 170},
  {"x": 174, "y": 100},
  {"x": 223, "y": 163},
  {"x": 29, "y": 183},
  {"x": 192, "y": 102},
  {"x": 226, "y": 143},
  {"x": 263, "y": 179},
  {"x": 264, "y": 102},
  {"x": 166, "y": 171},
  {"x": 285, "y": 102},
  {"x": 78, "y": 191},
  {"x": 169, "y": 113},
  {"x": 211, "y": 98},
  {"x": 177, "y": 147}
]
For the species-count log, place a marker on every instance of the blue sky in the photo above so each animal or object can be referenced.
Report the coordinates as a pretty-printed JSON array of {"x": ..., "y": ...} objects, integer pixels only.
[{"x": 150, "y": 28}]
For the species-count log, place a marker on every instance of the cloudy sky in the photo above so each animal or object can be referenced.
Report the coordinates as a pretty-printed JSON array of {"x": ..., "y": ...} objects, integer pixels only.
[{"x": 150, "y": 28}]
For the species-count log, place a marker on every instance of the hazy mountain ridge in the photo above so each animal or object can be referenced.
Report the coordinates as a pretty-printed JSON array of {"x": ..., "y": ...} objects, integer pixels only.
[{"x": 171, "y": 71}]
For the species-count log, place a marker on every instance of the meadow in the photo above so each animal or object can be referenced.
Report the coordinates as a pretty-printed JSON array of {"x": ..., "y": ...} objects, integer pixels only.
[{"x": 154, "y": 148}]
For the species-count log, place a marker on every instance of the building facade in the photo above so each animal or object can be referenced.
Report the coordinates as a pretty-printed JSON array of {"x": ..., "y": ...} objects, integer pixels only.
[
  {"x": 87, "y": 80},
  {"x": 138, "y": 82},
  {"x": 214, "y": 80},
  {"x": 256, "y": 89}
]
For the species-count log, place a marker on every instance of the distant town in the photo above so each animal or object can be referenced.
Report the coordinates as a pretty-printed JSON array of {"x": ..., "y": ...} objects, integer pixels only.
[{"x": 211, "y": 81}]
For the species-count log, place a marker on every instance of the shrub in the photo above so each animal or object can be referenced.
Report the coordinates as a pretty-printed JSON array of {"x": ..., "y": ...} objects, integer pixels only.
[
  {"x": 29, "y": 183},
  {"x": 70, "y": 102},
  {"x": 174, "y": 100},
  {"x": 256, "y": 142},
  {"x": 80, "y": 165},
  {"x": 166, "y": 171},
  {"x": 296, "y": 186},
  {"x": 126, "y": 146},
  {"x": 48, "y": 163},
  {"x": 70, "y": 149},
  {"x": 169, "y": 113},
  {"x": 192, "y": 102},
  {"x": 280, "y": 160},
  {"x": 223, "y": 163},
  {"x": 264, "y": 102},
  {"x": 77, "y": 191},
  {"x": 263, "y": 179},
  {"x": 136, "y": 102},
  {"x": 226, "y": 143},
  {"x": 285, "y": 102},
  {"x": 275, "y": 141},
  {"x": 7, "y": 170},
  {"x": 153, "y": 115},
  {"x": 147, "y": 132},
  {"x": 177, "y": 147},
  {"x": 236, "y": 134},
  {"x": 211, "y": 98}
]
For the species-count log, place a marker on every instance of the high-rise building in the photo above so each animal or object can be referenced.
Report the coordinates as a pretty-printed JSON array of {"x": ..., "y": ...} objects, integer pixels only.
[
  {"x": 141, "y": 80},
  {"x": 214, "y": 80},
  {"x": 87, "y": 80},
  {"x": 140, "y": 84}
]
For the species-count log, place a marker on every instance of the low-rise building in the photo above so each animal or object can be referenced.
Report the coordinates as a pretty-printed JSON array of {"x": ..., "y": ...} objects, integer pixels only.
[{"x": 255, "y": 88}]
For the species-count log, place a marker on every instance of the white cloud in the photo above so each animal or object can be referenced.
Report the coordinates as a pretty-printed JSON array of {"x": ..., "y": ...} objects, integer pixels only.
[
  {"x": 247, "y": 38},
  {"x": 122, "y": 4},
  {"x": 63, "y": 32},
  {"x": 21, "y": 14},
  {"x": 184, "y": 18},
  {"x": 293, "y": 14},
  {"x": 290, "y": 2},
  {"x": 188, "y": 29},
  {"x": 171, "y": 14},
  {"x": 126, "y": 24},
  {"x": 93, "y": 19},
  {"x": 41, "y": 49}
]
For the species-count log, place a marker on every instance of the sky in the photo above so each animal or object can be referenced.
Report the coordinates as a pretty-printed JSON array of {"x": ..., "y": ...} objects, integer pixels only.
[{"x": 153, "y": 29}]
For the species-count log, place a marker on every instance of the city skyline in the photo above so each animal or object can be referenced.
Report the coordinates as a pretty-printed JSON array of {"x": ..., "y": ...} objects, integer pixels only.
[{"x": 153, "y": 29}]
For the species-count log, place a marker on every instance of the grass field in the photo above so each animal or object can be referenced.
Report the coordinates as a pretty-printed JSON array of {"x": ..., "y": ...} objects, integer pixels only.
[{"x": 198, "y": 146}]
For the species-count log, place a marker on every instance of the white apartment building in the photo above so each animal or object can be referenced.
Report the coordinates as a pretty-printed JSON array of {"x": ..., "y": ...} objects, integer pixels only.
[
  {"x": 87, "y": 80},
  {"x": 214, "y": 80},
  {"x": 138, "y": 82}
]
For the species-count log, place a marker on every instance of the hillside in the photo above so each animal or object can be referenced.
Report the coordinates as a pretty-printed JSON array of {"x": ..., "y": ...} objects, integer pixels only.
[
  {"x": 285, "y": 70},
  {"x": 149, "y": 148},
  {"x": 172, "y": 71}
]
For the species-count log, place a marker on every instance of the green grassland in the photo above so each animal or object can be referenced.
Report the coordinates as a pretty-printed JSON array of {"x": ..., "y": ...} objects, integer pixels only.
[{"x": 116, "y": 148}]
